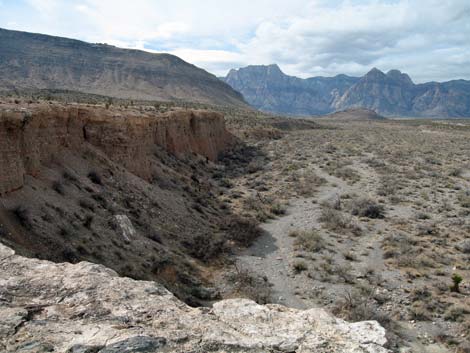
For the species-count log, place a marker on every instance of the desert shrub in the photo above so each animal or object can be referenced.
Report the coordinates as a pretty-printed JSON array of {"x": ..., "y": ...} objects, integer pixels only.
[
  {"x": 456, "y": 313},
  {"x": 375, "y": 163},
  {"x": 308, "y": 182},
  {"x": 206, "y": 247},
  {"x": 336, "y": 221},
  {"x": 251, "y": 286},
  {"x": 465, "y": 247},
  {"x": 58, "y": 187},
  {"x": 309, "y": 240},
  {"x": 350, "y": 256},
  {"x": 334, "y": 203},
  {"x": 69, "y": 255},
  {"x": 365, "y": 207},
  {"x": 456, "y": 280},
  {"x": 358, "y": 306},
  {"x": 419, "y": 312},
  {"x": 255, "y": 166},
  {"x": 86, "y": 204},
  {"x": 344, "y": 271},
  {"x": 257, "y": 206},
  {"x": 347, "y": 173},
  {"x": 300, "y": 266},
  {"x": 464, "y": 199},
  {"x": 420, "y": 293},
  {"x": 100, "y": 198},
  {"x": 88, "y": 221},
  {"x": 278, "y": 209},
  {"x": 422, "y": 216},
  {"x": 294, "y": 233},
  {"x": 226, "y": 183},
  {"x": 388, "y": 186},
  {"x": 23, "y": 216},
  {"x": 242, "y": 230},
  {"x": 455, "y": 172},
  {"x": 428, "y": 229},
  {"x": 67, "y": 175},
  {"x": 95, "y": 178},
  {"x": 65, "y": 231}
]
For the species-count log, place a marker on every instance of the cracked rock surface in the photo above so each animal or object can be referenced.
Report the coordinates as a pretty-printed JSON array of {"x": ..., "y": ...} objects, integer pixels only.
[{"x": 87, "y": 308}]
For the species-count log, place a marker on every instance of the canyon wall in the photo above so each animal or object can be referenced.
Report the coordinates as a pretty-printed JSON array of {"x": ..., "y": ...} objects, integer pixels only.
[{"x": 31, "y": 138}]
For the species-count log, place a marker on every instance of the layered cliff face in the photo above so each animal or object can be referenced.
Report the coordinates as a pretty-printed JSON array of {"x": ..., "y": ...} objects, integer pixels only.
[
  {"x": 30, "y": 60},
  {"x": 87, "y": 308},
  {"x": 128, "y": 188},
  {"x": 392, "y": 93},
  {"x": 32, "y": 138}
]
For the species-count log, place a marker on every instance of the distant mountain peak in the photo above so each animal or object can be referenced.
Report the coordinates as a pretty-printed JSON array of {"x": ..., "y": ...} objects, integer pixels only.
[
  {"x": 399, "y": 76},
  {"x": 375, "y": 73},
  {"x": 272, "y": 68},
  {"x": 391, "y": 94},
  {"x": 394, "y": 72}
]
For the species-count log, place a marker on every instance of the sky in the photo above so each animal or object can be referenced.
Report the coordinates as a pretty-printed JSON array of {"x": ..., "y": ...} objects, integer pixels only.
[{"x": 428, "y": 39}]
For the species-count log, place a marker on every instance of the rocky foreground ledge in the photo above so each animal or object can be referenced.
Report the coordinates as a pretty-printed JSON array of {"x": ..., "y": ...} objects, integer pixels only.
[{"x": 88, "y": 308}]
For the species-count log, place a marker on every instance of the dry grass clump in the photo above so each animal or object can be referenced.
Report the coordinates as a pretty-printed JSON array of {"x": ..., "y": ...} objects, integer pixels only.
[
  {"x": 300, "y": 266},
  {"x": 464, "y": 199},
  {"x": 307, "y": 183},
  {"x": 335, "y": 220},
  {"x": 206, "y": 247},
  {"x": 347, "y": 173},
  {"x": 309, "y": 240},
  {"x": 388, "y": 186},
  {"x": 359, "y": 305},
  {"x": 241, "y": 230},
  {"x": 23, "y": 216},
  {"x": 365, "y": 207},
  {"x": 264, "y": 208},
  {"x": 249, "y": 285},
  {"x": 464, "y": 247}
]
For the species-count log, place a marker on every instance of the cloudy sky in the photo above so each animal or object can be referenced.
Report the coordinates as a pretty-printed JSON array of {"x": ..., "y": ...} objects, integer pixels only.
[{"x": 429, "y": 39}]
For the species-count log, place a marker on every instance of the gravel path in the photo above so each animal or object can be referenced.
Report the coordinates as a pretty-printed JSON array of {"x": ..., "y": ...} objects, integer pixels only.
[{"x": 272, "y": 254}]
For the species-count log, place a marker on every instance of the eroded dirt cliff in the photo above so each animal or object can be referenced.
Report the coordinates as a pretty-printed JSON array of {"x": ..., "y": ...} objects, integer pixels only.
[
  {"x": 129, "y": 188},
  {"x": 30, "y": 138}
]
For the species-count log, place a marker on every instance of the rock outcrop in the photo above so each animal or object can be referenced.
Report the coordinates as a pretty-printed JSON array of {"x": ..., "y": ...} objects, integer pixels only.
[
  {"x": 29, "y": 138},
  {"x": 85, "y": 307}
]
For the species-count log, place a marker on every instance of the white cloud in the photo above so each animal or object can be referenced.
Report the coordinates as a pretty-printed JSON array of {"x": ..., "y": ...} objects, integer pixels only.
[
  {"x": 427, "y": 38},
  {"x": 352, "y": 38}
]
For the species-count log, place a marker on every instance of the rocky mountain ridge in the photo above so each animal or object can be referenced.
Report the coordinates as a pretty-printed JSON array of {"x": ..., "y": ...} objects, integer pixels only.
[
  {"x": 88, "y": 308},
  {"x": 36, "y": 61},
  {"x": 269, "y": 89},
  {"x": 390, "y": 94}
]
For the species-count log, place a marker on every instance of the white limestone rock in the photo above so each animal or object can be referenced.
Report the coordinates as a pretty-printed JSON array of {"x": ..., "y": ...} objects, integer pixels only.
[{"x": 86, "y": 308}]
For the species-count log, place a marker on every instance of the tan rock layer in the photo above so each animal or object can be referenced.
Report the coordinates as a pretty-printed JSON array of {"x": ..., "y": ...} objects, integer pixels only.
[{"x": 27, "y": 140}]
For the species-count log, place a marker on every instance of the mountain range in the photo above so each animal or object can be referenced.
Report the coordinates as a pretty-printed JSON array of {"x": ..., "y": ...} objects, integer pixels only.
[
  {"x": 36, "y": 61},
  {"x": 391, "y": 94}
]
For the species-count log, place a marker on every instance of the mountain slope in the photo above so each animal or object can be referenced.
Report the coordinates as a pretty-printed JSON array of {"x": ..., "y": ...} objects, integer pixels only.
[
  {"x": 39, "y": 61},
  {"x": 269, "y": 89},
  {"x": 389, "y": 94}
]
